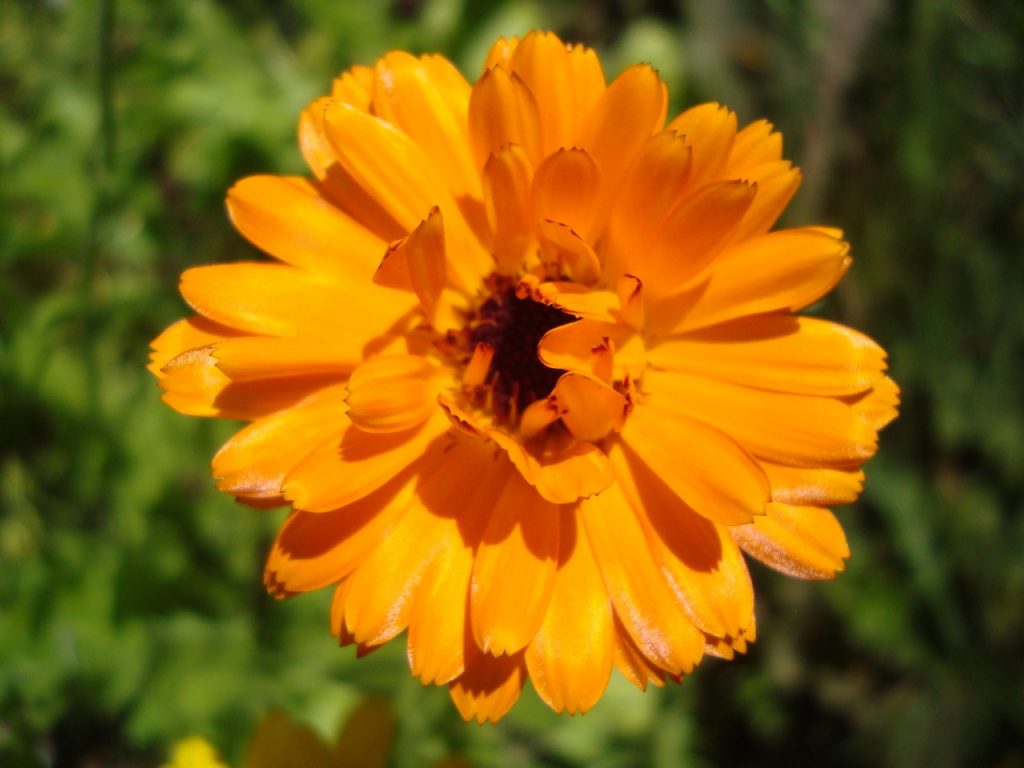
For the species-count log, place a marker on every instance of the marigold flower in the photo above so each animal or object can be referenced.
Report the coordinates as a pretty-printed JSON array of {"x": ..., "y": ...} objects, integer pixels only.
[{"x": 528, "y": 371}]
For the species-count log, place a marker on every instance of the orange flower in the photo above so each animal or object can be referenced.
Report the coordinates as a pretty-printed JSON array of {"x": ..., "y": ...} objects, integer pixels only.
[{"x": 528, "y": 373}]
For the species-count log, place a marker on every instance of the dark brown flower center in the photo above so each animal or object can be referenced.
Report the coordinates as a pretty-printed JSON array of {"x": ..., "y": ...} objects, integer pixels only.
[{"x": 513, "y": 327}]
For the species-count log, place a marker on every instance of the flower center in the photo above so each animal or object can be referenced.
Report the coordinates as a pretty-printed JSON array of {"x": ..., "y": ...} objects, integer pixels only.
[{"x": 513, "y": 327}]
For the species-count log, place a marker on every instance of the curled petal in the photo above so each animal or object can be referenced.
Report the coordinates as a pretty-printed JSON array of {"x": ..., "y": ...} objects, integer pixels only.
[
  {"x": 392, "y": 393},
  {"x": 571, "y": 347},
  {"x": 578, "y": 300},
  {"x": 571, "y": 472},
  {"x": 566, "y": 254},
  {"x": 420, "y": 259},
  {"x": 588, "y": 407}
]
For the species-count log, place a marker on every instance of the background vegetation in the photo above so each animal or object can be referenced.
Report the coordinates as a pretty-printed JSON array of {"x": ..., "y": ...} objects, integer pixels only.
[{"x": 131, "y": 611}]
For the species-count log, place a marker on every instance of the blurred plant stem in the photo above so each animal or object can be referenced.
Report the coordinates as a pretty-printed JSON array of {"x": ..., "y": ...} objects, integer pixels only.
[{"x": 103, "y": 171}]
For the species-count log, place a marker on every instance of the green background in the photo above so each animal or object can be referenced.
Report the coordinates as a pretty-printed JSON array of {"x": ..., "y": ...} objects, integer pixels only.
[{"x": 131, "y": 609}]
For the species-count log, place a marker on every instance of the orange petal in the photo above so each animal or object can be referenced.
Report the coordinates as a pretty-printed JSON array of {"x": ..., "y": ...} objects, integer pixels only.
[
  {"x": 537, "y": 416},
  {"x": 631, "y": 662},
  {"x": 813, "y": 486},
  {"x": 711, "y": 130},
  {"x": 699, "y": 560},
  {"x": 348, "y": 467},
  {"x": 337, "y": 182},
  {"x": 631, "y": 300},
  {"x": 249, "y": 358},
  {"x": 453, "y": 86},
  {"x": 280, "y": 300},
  {"x": 514, "y": 570},
  {"x": 776, "y": 184},
  {"x": 437, "y": 622},
  {"x": 502, "y": 112},
  {"x": 565, "y": 189},
  {"x": 778, "y": 352},
  {"x": 623, "y": 119},
  {"x": 878, "y": 406},
  {"x": 421, "y": 259},
  {"x": 570, "y": 657},
  {"x": 648, "y": 193},
  {"x": 755, "y": 144},
  {"x": 541, "y": 60},
  {"x": 702, "y": 466},
  {"x": 489, "y": 686},
  {"x": 313, "y": 144},
  {"x": 254, "y": 462},
  {"x": 507, "y": 176},
  {"x": 638, "y": 591},
  {"x": 314, "y": 550},
  {"x": 289, "y": 219},
  {"x": 578, "y": 300},
  {"x": 565, "y": 254},
  {"x": 588, "y": 81},
  {"x": 588, "y": 407},
  {"x": 387, "y": 164},
  {"x": 194, "y": 385},
  {"x": 690, "y": 237},
  {"x": 382, "y": 588},
  {"x": 392, "y": 393},
  {"x": 183, "y": 336},
  {"x": 407, "y": 94},
  {"x": 578, "y": 471},
  {"x": 784, "y": 270},
  {"x": 354, "y": 86},
  {"x": 781, "y": 427},
  {"x": 464, "y": 497},
  {"x": 501, "y": 52},
  {"x": 570, "y": 347},
  {"x": 803, "y": 542}
]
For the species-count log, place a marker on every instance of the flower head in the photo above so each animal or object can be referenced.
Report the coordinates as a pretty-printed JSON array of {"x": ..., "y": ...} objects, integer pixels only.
[{"x": 527, "y": 370}]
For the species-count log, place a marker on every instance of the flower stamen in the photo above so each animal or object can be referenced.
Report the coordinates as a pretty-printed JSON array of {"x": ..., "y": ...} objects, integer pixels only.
[{"x": 510, "y": 326}]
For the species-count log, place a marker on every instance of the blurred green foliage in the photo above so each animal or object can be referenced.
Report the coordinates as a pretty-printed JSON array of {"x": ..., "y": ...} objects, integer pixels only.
[{"x": 131, "y": 613}]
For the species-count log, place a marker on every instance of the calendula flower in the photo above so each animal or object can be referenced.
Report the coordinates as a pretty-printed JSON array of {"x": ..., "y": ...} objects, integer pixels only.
[{"x": 528, "y": 371}]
